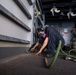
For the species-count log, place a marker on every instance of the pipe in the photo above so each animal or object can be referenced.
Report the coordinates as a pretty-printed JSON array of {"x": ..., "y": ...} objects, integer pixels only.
[
  {"x": 56, "y": 55},
  {"x": 68, "y": 54}
]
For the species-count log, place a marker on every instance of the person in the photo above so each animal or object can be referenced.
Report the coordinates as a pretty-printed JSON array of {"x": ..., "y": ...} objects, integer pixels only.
[
  {"x": 40, "y": 32},
  {"x": 48, "y": 38}
]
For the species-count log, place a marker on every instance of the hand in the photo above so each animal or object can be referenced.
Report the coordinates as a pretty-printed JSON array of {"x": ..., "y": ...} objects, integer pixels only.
[
  {"x": 39, "y": 52},
  {"x": 32, "y": 50}
]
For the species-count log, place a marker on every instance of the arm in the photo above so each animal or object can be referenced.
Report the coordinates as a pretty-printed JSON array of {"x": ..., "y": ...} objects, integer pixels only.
[
  {"x": 43, "y": 46},
  {"x": 35, "y": 46}
]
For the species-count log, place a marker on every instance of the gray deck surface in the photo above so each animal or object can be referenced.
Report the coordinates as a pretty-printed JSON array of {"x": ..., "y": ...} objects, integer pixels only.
[{"x": 28, "y": 64}]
